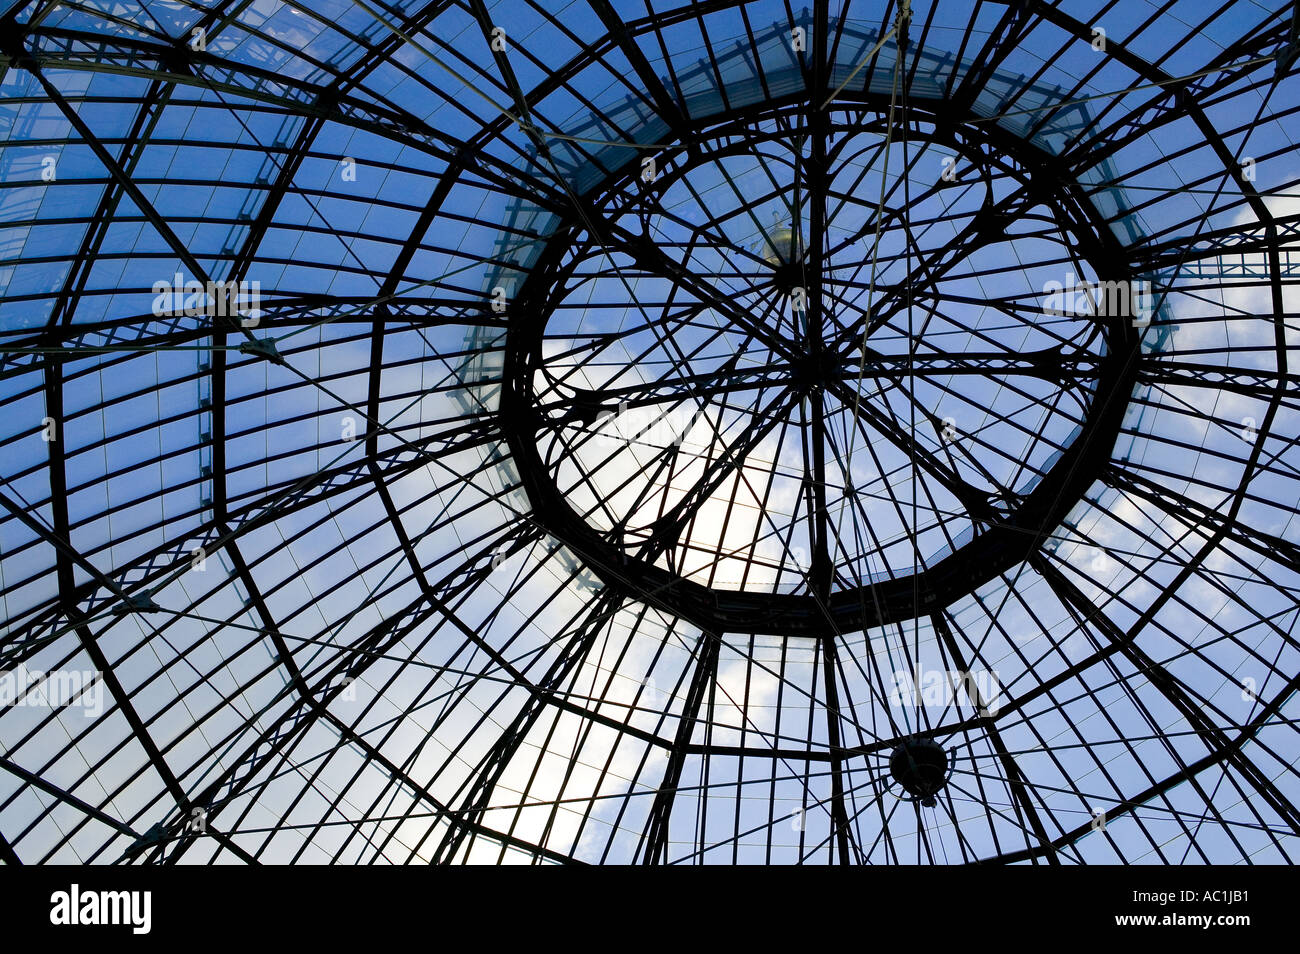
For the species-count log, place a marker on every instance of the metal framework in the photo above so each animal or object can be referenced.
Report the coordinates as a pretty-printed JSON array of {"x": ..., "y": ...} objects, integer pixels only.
[{"x": 665, "y": 433}]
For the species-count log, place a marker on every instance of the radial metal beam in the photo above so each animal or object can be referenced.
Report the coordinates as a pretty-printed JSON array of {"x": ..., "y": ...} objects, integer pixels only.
[
  {"x": 1268, "y": 712},
  {"x": 58, "y": 48},
  {"x": 1015, "y": 778},
  {"x": 67, "y": 798},
  {"x": 22, "y": 58},
  {"x": 173, "y": 556},
  {"x": 477, "y": 790},
  {"x": 654, "y": 840},
  {"x": 668, "y": 108},
  {"x": 1179, "y": 696}
]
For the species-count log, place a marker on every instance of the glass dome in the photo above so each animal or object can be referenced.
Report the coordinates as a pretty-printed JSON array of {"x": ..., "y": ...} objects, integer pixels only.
[{"x": 640, "y": 432}]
